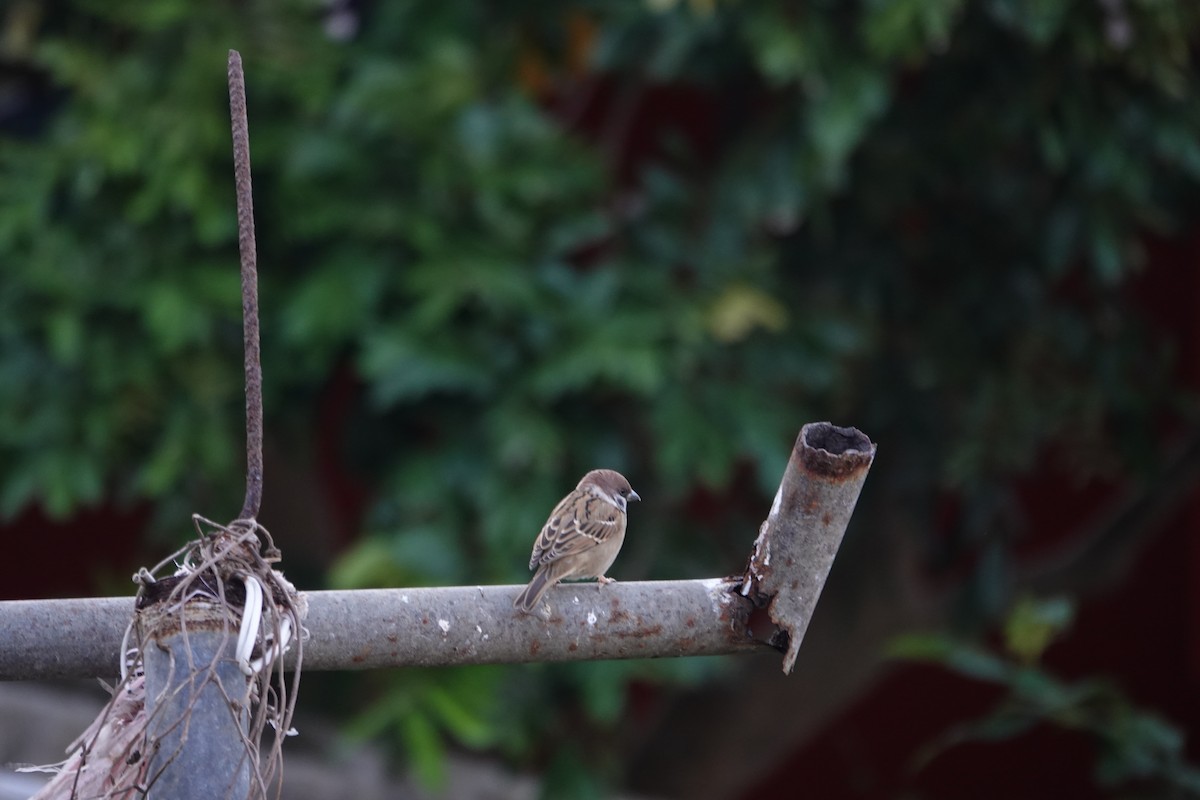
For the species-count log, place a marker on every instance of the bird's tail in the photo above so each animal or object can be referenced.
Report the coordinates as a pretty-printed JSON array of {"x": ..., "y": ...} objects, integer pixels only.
[{"x": 531, "y": 595}]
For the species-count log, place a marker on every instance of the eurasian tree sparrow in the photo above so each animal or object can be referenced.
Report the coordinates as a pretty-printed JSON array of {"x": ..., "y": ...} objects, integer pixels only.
[{"x": 582, "y": 537}]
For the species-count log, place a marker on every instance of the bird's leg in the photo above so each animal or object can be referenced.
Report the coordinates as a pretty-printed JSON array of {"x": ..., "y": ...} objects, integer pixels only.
[{"x": 604, "y": 580}]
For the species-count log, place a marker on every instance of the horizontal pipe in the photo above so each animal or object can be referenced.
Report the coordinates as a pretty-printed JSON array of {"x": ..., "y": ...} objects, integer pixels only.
[{"x": 380, "y": 628}]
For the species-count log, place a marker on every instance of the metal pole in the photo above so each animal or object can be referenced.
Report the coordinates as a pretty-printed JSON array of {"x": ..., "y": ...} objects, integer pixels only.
[
  {"x": 378, "y": 628},
  {"x": 198, "y": 705},
  {"x": 796, "y": 545}
]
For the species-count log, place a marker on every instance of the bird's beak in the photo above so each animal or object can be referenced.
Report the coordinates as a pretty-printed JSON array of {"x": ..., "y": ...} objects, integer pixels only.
[{"x": 633, "y": 495}]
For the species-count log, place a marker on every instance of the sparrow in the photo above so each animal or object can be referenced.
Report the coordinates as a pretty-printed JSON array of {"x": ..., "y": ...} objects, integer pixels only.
[{"x": 582, "y": 537}]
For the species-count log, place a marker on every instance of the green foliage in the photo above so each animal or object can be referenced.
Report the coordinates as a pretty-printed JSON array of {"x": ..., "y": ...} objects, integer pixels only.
[
  {"x": 422, "y": 707},
  {"x": 916, "y": 217},
  {"x": 1132, "y": 745},
  {"x": 1033, "y": 624}
]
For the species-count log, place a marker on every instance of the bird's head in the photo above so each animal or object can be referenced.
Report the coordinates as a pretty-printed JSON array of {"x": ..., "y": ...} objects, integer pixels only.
[{"x": 609, "y": 485}]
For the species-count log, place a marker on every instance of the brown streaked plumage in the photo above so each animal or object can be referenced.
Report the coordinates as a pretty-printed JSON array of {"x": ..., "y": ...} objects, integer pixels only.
[{"x": 582, "y": 537}]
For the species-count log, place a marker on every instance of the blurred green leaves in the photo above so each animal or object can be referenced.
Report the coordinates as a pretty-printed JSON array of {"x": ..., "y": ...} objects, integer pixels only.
[
  {"x": 424, "y": 707},
  {"x": 1131, "y": 745},
  {"x": 1033, "y": 624}
]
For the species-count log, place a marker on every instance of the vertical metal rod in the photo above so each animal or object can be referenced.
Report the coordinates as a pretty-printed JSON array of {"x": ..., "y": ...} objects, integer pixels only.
[{"x": 249, "y": 260}]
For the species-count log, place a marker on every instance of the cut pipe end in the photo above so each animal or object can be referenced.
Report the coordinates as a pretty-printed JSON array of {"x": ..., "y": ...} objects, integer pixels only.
[{"x": 831, "y": 451}]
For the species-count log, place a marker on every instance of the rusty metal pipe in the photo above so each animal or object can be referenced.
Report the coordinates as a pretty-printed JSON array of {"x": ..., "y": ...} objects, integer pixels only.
[
  {"x": 378, "y": 628},
  {"x": 800, "y": 537}
]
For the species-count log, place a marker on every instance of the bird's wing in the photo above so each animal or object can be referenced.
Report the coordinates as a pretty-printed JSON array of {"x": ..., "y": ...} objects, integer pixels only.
[{"x": 578, "y": 523}]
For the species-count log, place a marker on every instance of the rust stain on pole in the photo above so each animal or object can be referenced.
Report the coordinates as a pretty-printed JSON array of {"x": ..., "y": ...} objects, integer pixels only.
[{"x": 800, "y": 537}]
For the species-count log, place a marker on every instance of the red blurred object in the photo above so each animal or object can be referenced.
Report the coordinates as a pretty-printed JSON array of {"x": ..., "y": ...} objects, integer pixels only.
[{"x": 78, "y": 557}]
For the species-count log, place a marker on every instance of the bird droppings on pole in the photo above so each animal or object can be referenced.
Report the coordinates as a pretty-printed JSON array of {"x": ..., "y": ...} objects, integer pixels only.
[{"x": 379, "y": 628}]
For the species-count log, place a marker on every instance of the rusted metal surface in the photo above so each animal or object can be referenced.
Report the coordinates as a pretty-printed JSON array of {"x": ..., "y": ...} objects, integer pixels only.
[
  {"x": 797, "y": 543},
  {"x": 379, "y": 628},
  {"x": 477, "y": 625},
  {"x": 252, "y": 362}
]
